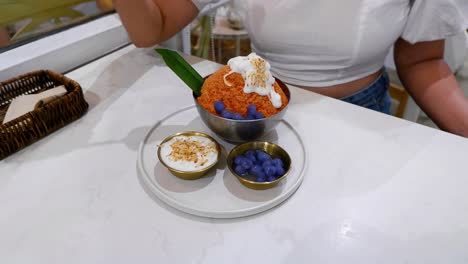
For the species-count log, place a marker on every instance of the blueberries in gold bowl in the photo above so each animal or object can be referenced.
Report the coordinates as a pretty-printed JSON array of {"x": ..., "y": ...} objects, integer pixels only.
[{"x": 259, "y": 165}]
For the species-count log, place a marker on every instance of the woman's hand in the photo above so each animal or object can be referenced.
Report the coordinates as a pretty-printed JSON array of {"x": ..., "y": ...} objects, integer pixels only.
[
  {"x": 149, "y": 22},
  {"x": 431, "y": 83}
]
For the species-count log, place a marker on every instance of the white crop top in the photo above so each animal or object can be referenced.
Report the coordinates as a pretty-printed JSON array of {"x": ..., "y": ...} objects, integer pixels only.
[{"x": 326, "y": 42}]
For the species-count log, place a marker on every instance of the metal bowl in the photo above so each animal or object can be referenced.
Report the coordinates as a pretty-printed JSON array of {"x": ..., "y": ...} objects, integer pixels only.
[
  {"x": 189, "y": 175},
  {"x": 272, "y": 149},
  {"x": 239, "y": 131}
]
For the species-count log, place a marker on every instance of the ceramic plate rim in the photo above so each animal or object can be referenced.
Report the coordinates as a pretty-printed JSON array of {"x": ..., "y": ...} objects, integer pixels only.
[{"x": 143, "y": 174}]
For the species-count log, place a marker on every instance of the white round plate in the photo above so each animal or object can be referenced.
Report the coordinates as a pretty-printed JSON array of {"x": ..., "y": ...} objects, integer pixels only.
[{"x": 219, "y": 194}]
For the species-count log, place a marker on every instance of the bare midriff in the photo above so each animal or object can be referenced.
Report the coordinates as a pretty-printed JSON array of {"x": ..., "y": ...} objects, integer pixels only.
[{"x": 344, "y": 90}]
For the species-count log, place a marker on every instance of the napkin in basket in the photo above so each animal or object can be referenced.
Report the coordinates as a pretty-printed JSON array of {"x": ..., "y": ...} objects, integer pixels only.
[{"x": 27, "y": 103}]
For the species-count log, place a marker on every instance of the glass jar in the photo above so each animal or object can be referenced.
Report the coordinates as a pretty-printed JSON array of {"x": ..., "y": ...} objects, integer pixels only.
[{"x": 234, "y": 18}]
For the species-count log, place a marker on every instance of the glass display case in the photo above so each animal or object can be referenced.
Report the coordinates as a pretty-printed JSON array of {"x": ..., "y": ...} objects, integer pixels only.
[{"x": 22, "y": 21}]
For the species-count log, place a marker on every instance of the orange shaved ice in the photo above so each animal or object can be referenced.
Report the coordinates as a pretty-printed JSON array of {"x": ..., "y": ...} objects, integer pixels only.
[{"x": 214, "y": 89}]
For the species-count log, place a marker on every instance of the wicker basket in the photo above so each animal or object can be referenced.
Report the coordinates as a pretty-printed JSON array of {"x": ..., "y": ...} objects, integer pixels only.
[{"x": 31, "y": 127}]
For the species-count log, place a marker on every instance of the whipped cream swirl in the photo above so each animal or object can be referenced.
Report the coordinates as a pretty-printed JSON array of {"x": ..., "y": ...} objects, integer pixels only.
[{"x": 257, "y": 76}]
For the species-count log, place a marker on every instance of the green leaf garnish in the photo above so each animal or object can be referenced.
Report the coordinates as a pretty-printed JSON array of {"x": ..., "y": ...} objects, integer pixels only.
[{"x": 182, "y": 69}]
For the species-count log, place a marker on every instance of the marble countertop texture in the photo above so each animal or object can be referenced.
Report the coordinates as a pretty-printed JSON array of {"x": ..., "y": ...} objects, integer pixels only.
[{"x": 377, "y": 190}]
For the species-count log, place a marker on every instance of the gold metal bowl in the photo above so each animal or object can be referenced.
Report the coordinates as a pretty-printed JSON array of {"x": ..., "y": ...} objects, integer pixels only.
[
  {"x": 272, "y": 149},
  {"x": 189, "y": 175}
]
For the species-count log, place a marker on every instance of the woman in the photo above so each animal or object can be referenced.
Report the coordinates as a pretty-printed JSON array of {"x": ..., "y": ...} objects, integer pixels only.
[{"x": 336, "y": 48}]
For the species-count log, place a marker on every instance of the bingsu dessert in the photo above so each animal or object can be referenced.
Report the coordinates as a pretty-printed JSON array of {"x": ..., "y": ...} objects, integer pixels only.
[{"x": 243, "y": 90}]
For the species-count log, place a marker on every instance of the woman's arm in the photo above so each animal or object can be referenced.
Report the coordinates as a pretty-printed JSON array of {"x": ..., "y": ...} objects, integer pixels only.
[
  {"x": 149, "y": 22},
  {"x": 431, "y": 83}
]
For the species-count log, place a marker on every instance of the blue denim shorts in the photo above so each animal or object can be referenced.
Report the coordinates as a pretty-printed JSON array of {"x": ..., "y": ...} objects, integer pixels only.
[{"x": 375, "y": 96}]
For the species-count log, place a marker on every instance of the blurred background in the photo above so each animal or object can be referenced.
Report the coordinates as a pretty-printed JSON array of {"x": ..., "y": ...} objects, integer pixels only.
[
  {"x": 213, "y": 35},
  {"x": 22, "y": 21},
  {"x": 217, "y": 35}
]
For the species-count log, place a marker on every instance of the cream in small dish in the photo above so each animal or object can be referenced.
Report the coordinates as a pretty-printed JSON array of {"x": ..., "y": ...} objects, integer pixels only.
[{"x": 189, "y": 155}]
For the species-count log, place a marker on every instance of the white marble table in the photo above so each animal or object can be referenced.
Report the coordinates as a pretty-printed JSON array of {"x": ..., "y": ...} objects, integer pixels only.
[{"x": 378, "y": 189}]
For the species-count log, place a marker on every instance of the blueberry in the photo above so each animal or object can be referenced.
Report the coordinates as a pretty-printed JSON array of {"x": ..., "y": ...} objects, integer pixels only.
[
  {"x": 258, "y": 115},
  {"x": 278, "y": 162},
  {"x": 262, "y": 156},
  {"x": 238, "y": 159},
  {"x": 219, "y": 107},
  {"x": 249, "y": 152},
  {"x": 279, "y": 171},
  {"x": 253, "y": 159},
  {"x": 227, "y": 114},
  {"x": 250, "y": 117},
  {"x": 246, "y": 163},
  {"x": 260, "y": 179},
  {"x": 267, "y": 163},
  {"x": 251, "y": 109},
  {"x": 238, "y": 117},
  {"x": 251, "y": 156},
  {"x": 271, "y": 178},
  {"x": 239, "y": 169},
  {"x": 270, "y": 171},
  {"x": 256, "y": 170}
]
